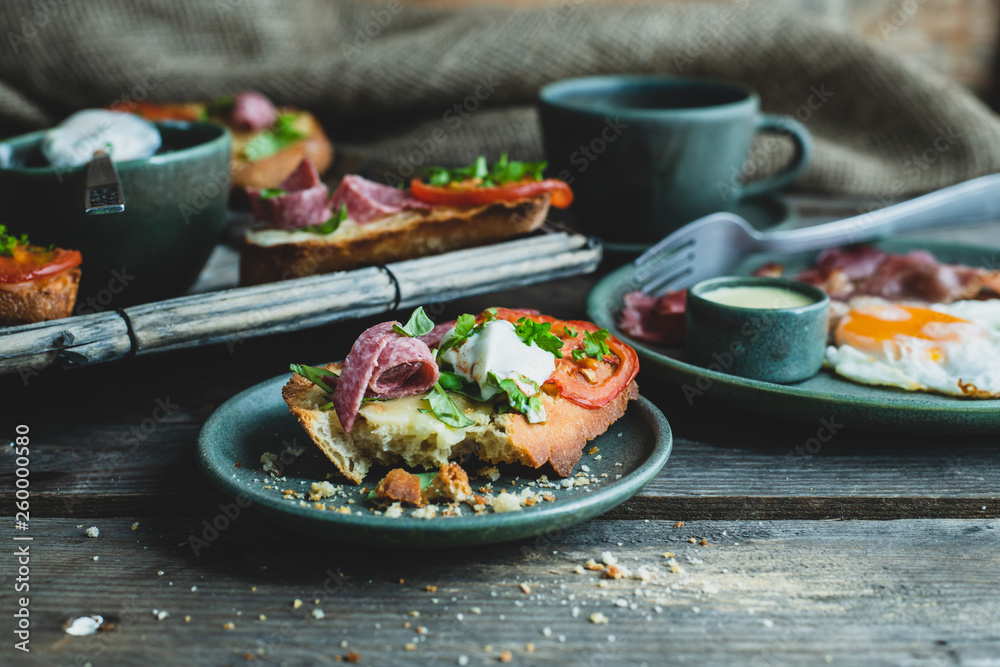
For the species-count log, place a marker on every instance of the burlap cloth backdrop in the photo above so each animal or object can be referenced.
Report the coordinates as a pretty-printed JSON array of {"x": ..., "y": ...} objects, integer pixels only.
[{"x": 385, "y": 76}]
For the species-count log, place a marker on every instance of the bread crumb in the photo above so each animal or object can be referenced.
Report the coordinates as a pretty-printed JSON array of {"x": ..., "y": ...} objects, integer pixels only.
[
  {"x": 614, "y": 572},
  {"x": 261, "y": 617},
  {"x": 489, "y": 472},
  {"x": 593, "y": 450},
  {"x": 296, "y": 603},
  {"x": 506, "y": 502},
  {"x": 322, "y": 490},
  {"x": 668, "y": 554},
  {"x": 597, "y": 618},
  {"x": 476, "y": 610},
  {"x": 161, "y": 614},
  {"x": 228, "y": 626},
  {"x": 692, "y": 540},
  {"x": 394, "y": 511},
  {"x": 463, "y": 660},
  {"x": 427, "y": 512},
  {"x": 430, "y": 588},
  {"x": 608, "y": 558},
  {"x": 135, "y": 525},
  {"x": 547, "y": 631},
  {"x": 578, "y": 570},
  {"x": 411, "y": 647},
  {"x": 318, "y": 614},
  {"x": 421, "y": 630},
  {"x": 529, "y": 647},
  {"x": 704, "y": 543},
  {"x": 268, "y": 459},
  {"x": 506, "y": 656},
  {"x": 93, "y": 531},
  {"x": 353, "y": 656},
  {"x": 187, "y": 619},
  {"x": 451, "y": 482},
  {"x": 415, "y": 614},
  {"x": 678, "y": 524},
  {"x": 525, "y": 588},
  {"x": 593, "y": 565}
]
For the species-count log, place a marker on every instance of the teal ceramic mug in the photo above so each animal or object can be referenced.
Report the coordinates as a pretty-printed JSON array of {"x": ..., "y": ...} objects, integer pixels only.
[
  {"x": 647, "y": 154},
  {"x": 175, "y": 213}
]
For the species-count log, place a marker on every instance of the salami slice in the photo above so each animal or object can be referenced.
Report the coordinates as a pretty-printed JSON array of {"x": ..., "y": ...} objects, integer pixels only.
[
  {"x": 303, "y": 203},
  {"x": 252, "y": 111},
  {"x": 382, "y": 364},
  {"x": 367, "y": 200}
]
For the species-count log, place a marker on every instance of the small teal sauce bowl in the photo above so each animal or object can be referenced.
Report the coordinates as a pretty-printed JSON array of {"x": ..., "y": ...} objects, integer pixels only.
[
  {"x": 175, "y": 212},
  {"x": 781, "y": 342}
]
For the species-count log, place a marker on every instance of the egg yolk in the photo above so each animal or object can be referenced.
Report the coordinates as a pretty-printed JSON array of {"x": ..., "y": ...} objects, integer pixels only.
[{"x": 879, "y": 330}]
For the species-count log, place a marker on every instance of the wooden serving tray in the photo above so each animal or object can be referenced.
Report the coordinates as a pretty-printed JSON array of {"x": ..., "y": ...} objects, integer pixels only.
[{"x": 218, "y": 312}]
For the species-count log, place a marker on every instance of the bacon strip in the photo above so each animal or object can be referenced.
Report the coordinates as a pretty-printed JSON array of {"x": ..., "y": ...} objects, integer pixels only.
[
  {"x": 367, "y": 200},
  {"x": 656, "y": 319},
  {"x": 303, "y": 204},
  {"x": 382, "y": 364}
]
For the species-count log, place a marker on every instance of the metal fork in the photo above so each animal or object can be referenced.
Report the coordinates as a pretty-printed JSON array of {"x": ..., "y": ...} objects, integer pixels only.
[{"x": 716, "y": 244}]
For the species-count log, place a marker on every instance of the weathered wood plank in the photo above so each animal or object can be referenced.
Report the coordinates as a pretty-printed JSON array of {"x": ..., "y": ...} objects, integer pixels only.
[{"x": 760, "y": 593}]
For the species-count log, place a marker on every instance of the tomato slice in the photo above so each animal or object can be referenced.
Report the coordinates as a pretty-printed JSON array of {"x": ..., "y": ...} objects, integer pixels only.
[
  {"x": 469, "y": 194},
  {"x": 30, "y": 263},
  {"x": 590, "y": 383}
]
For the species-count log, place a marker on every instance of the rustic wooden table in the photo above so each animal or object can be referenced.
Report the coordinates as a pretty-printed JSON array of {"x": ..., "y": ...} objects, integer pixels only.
[{"x": 878, "y": 549}]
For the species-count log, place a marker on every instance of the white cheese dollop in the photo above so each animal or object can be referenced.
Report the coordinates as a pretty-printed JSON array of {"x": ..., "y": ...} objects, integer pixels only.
[
  {"x": 499, "y": 350},
  {"x": 126, "y": 137}
]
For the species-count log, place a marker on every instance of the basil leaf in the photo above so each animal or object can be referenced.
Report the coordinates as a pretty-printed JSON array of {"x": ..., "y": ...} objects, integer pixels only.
[
  {"x": 457, "y": 384},
  {"x": 530, "y": 407},
  {"x": 464, "y": 327},
  {"x": 270, "y": 193},
  {"x": 418, "y": 325},
  {"x": 445, "y": 409},
  {"x": 8, "y": 242},
  {"x": 268, "y": 142},
  {"x": 331, "y": 225},
  {"x": 538, "y": 333},
  {"x": 314, "y": 375}
]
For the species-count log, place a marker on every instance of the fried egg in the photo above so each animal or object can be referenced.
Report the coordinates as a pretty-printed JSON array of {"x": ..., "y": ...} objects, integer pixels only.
[{"x": 951, "y": 349}]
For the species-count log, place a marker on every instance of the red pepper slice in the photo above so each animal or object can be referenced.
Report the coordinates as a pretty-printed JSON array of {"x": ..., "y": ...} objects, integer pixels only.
[{"x": 470, "y": 194}]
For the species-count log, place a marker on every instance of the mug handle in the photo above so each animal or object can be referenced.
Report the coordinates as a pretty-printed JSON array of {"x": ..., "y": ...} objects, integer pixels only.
[{"x": 803, "y": 141}]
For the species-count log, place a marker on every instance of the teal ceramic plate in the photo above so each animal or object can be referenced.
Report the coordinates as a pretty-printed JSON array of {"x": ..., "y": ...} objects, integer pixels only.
[
  {"x": 257, "y": 421},
  {"x": 824, "y": 396}
]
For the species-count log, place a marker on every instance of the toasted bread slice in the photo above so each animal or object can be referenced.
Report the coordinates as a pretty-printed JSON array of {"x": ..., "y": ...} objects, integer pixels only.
[
  {"x": 270, "y": 171},
  {"x": 270, "y": 255},
  {"x": 39, "y": 300},
  {"x": 395, "y": 431}
]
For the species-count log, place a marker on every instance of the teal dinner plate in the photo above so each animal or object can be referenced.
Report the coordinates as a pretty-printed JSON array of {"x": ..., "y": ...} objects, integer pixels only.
[
  {"x": 257, "y": 420},
  {"x": 825, "y": 396}
]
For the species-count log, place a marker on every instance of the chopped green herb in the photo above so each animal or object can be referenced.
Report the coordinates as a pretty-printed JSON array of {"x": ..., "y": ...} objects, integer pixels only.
[
  {"x": 445, "y": 409},
  {"x": 594, "y": 345},
  {"x": 331, "y": 225},
  {"x": 268, "y": 142},
  {"x": 326, "y": 406},
  {"x": 220, "y": 105},
  {"x": 538, "y": 333},
  {"x": 314, "y": 375},
  {"x": 8, "y": 242},
  {"x": 570, "y": 332},
  {"x": 270, "y": 193},
  {"x": 502, "y": 172},
  {"x": 418, "y": 325}
]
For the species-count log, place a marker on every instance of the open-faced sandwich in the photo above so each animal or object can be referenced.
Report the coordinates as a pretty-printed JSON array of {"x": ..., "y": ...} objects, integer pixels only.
[
  {"x": 306, "y": 232},
  {"x": 509, "y": 386},
  {"x": 903, "y": 320},
  {"x": 36, "y": 283},
  {"x": 269, "y": 142}
]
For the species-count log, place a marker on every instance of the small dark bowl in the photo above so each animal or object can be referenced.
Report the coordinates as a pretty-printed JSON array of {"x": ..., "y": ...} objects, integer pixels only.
[
  {"x": 781, "y": 344},
  {"x": 175, "y": 211}
]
